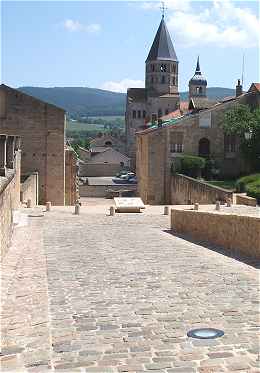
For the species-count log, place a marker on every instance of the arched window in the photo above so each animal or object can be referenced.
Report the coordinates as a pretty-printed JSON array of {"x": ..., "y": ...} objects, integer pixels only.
[
  {"x": 108, "y": 143},
  {"x": 200, "y": 90},
  {"x": 197, "y": 90},
  {"x": 204, "y": 147}
]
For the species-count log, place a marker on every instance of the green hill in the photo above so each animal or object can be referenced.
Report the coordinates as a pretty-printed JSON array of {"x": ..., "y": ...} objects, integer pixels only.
[{"x": 81, "y": 101}]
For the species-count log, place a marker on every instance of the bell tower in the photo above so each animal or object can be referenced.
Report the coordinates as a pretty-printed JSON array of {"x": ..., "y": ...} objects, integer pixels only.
[
  {"x": 161, "y": 76},
  {"x": 198, "y": 83}
]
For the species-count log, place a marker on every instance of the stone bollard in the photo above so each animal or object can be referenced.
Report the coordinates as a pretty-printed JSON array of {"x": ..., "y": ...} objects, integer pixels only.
[
  {"x": 29, "y": 203},
  {"x": 166, "y": 210},
  {"x": 77, "y": 209},
  {"x": 229, "y": 202},
  {"x": 217, "y": 205},
  {"x": 196, "y": 206},
  {"x": 112, "y": 211},
  {"x": 48, "y": 206}
]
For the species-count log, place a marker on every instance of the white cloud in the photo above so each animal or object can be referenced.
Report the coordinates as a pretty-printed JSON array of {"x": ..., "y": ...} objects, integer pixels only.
[
  {"x": 73, "y": 26},
  {"x": 221, "y": 23},
  {"x": 122, "y": 85}
]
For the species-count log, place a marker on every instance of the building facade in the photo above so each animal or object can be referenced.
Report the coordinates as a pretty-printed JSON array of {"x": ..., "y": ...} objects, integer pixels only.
[
  {"x": 198, "y": 133},
  {"x": 41, "y": 127},
  {"x": 160, "y": 95}
]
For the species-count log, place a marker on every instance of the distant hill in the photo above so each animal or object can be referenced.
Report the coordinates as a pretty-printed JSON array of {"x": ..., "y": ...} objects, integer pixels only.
[{"x": 82, "y": 101}]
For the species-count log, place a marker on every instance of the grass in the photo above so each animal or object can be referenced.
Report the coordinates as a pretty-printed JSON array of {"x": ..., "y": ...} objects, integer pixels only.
[
  {"x": 225, "y": 184},
  {"x": 79, "y": 126}
]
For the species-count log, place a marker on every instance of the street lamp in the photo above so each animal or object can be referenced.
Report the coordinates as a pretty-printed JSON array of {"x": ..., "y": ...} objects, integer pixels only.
[{"x": 248, "y": 134}]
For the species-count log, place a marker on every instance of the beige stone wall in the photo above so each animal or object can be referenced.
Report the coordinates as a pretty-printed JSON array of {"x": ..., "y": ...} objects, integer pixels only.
[
  {"x": 243, "y": 199},
  {"x": 235, "y": 232},
  {"x": 101, "y": 190},
  {"x": 99, "y": 169},
  {"x": 186, "y": 190},
  {"x": 29, "y": 189},
  {"x": 42, "y": 129},
  {"x": 71, "y": 179},
  {"x": 9, "y": 201}
]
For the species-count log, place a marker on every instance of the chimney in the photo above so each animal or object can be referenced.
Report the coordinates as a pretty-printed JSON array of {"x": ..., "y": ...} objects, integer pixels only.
[{"x": 239, "y": 88}]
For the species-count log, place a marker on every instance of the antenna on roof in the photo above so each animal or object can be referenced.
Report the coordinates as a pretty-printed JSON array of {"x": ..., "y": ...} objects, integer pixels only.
[
  {"x": 243, "y": 69},
  {"x": 163, "y": 8}
]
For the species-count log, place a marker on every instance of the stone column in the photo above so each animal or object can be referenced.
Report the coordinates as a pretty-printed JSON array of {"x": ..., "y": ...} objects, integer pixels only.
[
  {"x": 2, "y": 155},
  {"x": 10, "y": 146}
]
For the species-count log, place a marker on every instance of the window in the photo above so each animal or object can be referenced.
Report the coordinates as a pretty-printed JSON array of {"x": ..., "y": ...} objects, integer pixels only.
[
  {"x": 153, "y": 68},
  {"x": 159, "y": 113},
  {"x": 154, "y": 118},
  {"x": 176, "y": 142},
  {"x": 173, "y": 80},
  {"x": 108, "y": 143},
  {"x": 139, "y": 114},
  {"x": 200, "y": 90},
  {"x": 163, "y": 68},
  {"x": 144, "y": 114},
  {"x": 230, "y": 144},
  {"x": 197, "y": 90},
  {"x": 134, "y": 114},
  {"x": 174, "y": 69},
  {"x": 163, "y": 79},
  {"x": 166, "y": 111}
]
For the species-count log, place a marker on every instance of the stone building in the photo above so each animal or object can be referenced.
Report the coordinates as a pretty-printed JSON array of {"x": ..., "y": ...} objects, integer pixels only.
[
  {"x": 198, "y": 132},
  {"x": 41, "y": 127},
  {"x": 160, "y": 95},
  {"x": 107, "y": 140}
]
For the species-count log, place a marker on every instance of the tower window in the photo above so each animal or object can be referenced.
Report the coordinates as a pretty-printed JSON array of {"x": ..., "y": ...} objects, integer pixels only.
[
  {"x": 134, "y": 114},
  {"x": 139, "y": 114},
  {"x": 144, "y": 113},
  {"x": 173, "y": 80},
  {"x": 200, "y": 90},
  {"x": 163, "y": 79},
  {"x": 163, "y": 68},
  {"x": 197, "y": 90},
  {"x": 153, "y": 68},
  {"x": 174, "y": 68}
]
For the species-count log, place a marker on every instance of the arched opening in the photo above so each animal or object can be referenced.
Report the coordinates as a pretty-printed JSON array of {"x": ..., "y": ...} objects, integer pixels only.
[
  {"x": 204, "y": 147},
  {"x": 108, "y": 143},
  {"x": 200, "y": 90}
]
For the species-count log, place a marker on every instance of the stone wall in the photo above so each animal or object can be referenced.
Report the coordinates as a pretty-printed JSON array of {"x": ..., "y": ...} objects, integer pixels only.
[
  {"x": 186, "y": 190},
  {"x": 243, "y": 199},
  {"x": 29, "y": 189},
  {"x": 9, "y": 201},
  {"x": 71, "y": 181},
  {"x": 235, "y": 232},
  {"x": 102, "y": 190},
  {"x": 99, "y": 169},
  {"x": 41, "y": 127}
]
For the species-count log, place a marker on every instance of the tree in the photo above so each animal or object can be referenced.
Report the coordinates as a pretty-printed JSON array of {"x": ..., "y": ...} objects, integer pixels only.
[{"x": 241, "y": 120}]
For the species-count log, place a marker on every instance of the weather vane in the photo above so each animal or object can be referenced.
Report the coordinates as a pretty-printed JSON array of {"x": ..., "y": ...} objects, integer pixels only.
[{"x": 163, "y": 8}]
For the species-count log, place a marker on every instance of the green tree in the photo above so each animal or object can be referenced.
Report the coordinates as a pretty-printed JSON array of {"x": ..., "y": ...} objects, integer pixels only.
[{"x": 241, "y": 120}]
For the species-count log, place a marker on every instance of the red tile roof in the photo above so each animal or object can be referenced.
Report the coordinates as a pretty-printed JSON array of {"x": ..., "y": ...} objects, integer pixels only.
[{"x": 255, "y": 86}]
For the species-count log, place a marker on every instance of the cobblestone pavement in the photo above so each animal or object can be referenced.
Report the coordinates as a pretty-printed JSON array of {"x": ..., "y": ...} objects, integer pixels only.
[{"x": 94, "y": 293}]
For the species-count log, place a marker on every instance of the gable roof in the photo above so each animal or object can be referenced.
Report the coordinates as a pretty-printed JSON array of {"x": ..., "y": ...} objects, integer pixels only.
[
  {"x": 199, "y": 103},
  {"x": 17, "y": 91},
  {"x": 255, "y": 87},
  {"x": 162, "y": 47},
  {"x": 109, "y": 155}
]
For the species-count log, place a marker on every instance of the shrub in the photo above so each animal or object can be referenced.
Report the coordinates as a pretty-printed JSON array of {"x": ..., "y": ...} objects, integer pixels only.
[
  {"x": 253, "y": 190},
  {"x": 241, "y": 184},
  {"x": 191, "y": 165}
]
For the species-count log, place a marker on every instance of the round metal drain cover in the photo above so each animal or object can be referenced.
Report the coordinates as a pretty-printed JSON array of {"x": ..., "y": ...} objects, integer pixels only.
[{"x": 205, "y": 333}]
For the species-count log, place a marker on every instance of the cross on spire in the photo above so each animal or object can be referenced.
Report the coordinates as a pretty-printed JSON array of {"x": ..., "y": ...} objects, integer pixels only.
[{"x": 163, "y": 9}]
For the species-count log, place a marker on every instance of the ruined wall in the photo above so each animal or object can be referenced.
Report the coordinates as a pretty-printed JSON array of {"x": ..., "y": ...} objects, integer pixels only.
[
  {"x": 71, "y": 179},
  {"x": 9, "y": 201},
  {"x": 186, "y": 190},
  {"x": 29, "y": 189},
  {"x": 99, "y": 169},
  {"x": 102, "y": 190},
  {"x": 243, "y": 199},
  {"x": 42, "y": 130},
  {"x": 234, "y": 232}
]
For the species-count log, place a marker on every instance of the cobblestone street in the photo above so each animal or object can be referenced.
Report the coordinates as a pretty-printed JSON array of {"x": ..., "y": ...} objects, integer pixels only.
[{"x": 95, "y": 293}]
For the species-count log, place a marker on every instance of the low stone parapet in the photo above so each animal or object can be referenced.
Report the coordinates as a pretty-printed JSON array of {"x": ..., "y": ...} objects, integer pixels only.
[
  {"x": 243, "y": 199},
  {"x": 239, "y": 233}
]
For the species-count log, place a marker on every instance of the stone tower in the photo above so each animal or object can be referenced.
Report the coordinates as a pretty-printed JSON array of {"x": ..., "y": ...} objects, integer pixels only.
[
  {"x": 197, "y": 84},
  {"x": 161, "y": 75}
]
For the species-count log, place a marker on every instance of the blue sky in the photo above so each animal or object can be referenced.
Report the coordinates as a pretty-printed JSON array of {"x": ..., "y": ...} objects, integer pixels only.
[{"x": 104, "y": 44}]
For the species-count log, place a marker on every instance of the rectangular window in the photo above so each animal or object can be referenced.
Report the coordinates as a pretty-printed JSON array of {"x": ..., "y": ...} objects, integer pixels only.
[
  {"x": 176, "y": 142},
  {"x": 144, "y": 114},
  {"x": 139, "y": 114},
  {"x": 134, "y": 114}
]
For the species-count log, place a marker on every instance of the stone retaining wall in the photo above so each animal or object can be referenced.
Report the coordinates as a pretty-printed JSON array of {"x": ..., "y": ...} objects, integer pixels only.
[
  {"x": 99, "y": 169},
  {"x": 185, "y": 190},
  {"x": 243, "y": 199},
  {"x": 235, "y": 232},
  {"x": 102, "y": 190},
  {"x": 29, "y": 189},
  {"x": 9, "y": 201}
]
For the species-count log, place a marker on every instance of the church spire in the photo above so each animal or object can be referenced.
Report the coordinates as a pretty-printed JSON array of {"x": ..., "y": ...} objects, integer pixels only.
[
  {"x": 162, "y": 47},
  {"x": 198, "y": 66}
]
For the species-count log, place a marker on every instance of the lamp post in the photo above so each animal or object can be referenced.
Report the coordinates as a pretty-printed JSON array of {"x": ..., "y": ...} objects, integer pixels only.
[{"x": 248, "y": 134}]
